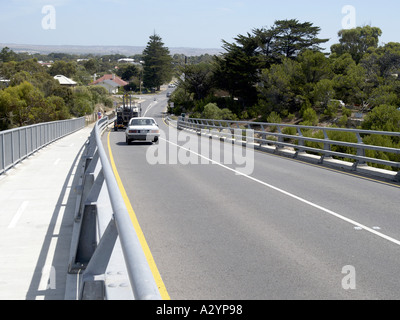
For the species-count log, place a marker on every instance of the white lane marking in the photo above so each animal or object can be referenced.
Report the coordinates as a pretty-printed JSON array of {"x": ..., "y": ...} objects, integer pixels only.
[
  {"x": 57, "y": 162},
  {"x": 330, "y": 212},
  {"x": 18, "y": 215},
  {"x": 151, "y": 105},
  {"x": 48, "y": 278}
]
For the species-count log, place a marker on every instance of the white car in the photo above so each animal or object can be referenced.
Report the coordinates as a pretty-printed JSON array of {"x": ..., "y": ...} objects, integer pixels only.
[{"x": 142, "y": 129}]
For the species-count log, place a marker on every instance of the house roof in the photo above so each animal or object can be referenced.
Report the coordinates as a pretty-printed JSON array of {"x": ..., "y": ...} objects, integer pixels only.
[
  {"x": 63, "y": 80},
  {"x": 111, "y": 77},
  {"x": 111, "y": 83}
]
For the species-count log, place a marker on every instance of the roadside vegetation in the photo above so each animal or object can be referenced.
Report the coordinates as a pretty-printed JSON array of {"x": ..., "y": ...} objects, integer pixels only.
[
  {"x": 29, "y": 93},
  {"x": 286, "y": 71},
  {"x": 280, "y": 73},
  {"x": 283, "y": 74}
]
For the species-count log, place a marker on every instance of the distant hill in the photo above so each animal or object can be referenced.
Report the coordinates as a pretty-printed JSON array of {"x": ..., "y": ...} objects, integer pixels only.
[{"x": 102, "y": 50}]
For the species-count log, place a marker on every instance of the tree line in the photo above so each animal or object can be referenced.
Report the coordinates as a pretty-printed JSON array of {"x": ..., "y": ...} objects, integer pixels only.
[
  {"x": 284, "y": 71},
  {"x": 277, "y": 73},
  {"x": 33, "y": 95}
]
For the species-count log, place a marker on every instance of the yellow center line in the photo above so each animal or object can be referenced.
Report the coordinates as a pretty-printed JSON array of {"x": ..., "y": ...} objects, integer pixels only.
[{"x": 156, "y": 274}]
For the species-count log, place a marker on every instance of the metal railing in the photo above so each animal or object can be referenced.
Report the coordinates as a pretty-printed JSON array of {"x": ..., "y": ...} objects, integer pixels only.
[
  {"x": 20, "y": 143},
  {"x": 106, "y": 238},
  {"x": 274, "y": 134}
]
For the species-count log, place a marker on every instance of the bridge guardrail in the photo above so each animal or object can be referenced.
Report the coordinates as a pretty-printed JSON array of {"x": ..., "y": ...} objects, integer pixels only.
[
  {"x": 263, "y": 137},
  {"x": 101, "y": 218},
  {"x": 20, "y": 143}
]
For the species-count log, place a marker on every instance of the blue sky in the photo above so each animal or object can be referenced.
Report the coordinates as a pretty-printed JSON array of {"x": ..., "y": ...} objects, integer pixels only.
[{"x": 180, "y": 23}]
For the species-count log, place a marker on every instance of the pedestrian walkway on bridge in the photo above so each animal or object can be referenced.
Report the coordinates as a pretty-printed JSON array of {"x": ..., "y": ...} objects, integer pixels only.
[{"x": 37, "y": 203}]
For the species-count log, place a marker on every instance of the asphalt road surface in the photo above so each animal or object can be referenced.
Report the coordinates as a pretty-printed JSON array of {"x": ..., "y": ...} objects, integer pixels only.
[{"x": 255, "y": 225}]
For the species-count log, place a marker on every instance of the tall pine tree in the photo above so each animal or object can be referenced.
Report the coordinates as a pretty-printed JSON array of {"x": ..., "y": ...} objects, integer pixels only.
[{"x": 157, "y": 63}]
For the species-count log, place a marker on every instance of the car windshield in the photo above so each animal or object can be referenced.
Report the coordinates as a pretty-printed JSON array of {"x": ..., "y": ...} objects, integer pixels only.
[{"x": 142, "y": 122}]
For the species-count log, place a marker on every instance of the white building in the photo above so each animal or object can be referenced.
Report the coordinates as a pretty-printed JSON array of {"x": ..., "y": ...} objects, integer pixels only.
[{"x": 64, "y": 81}]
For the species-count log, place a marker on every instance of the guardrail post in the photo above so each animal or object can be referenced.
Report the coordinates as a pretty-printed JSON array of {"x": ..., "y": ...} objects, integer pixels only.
[
  {"x": 280, "y": 139},
  {"x": 179, "y": 123},
  {"x": 263, "y": 136},
  {"x": 360, "y": 152},
  {"x": 300, "y": 142},
  {"x": 327, "y": 147},
  {"x": 87, "y": 241},
  {"x": 88, "y": 181},
  {"x": 93, "y": 282},
  {"x": 87, "y": 218},
  {"x": 90, "y": 150}
]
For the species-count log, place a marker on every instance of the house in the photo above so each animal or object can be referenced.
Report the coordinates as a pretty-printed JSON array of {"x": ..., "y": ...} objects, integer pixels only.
[
  {"x": 111, "y": 86},
  {"x": 111, "y": 82},
  {"x": 64, "y": 81}
]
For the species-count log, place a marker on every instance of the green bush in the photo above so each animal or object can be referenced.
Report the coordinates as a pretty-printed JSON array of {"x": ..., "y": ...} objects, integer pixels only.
[
  {"x": 346, "y": 112},
  {"x": 290, "y": 131},
  {"x": 211, "y": 111},
  {"x": 383, "y": 118},
  {"x": 310, "y": 117},
  {"x": 383, "y": 141},
  {"x": 331, "y": 109},
  {"x": 274, "y": 118}
]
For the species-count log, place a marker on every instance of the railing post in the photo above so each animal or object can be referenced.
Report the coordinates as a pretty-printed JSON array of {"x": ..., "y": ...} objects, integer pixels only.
[
  {"x": 86, "y": 218},
  {"x": 87, "y": 239},
  {"x": 19, "y": 145},
  {"x": 12, "y": 149},
  {"x": 88, "y": 181},
  {"x": 3, "y": 154},
  {"x": 178, "y": 123},
  {"x": 300, "y": 142},
  {"x": 327, "y": 147},
  {"x": 360, "y": 152},
  {"x": 263, "y": 136},
  {"x": 280, "y": 139},
  {"x": 93, "y": 282},
  {"x": 26, "y": 147}
]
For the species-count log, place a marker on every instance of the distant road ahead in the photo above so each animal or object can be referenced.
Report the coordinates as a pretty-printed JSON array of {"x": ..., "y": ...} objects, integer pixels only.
[{"x": 289, "y": 230}]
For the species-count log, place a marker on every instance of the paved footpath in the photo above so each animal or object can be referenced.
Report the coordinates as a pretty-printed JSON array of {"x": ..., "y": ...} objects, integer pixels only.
[{"x": 37, "y": 202}]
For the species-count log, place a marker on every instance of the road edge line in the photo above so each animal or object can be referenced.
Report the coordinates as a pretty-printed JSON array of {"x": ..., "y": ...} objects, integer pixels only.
[{"x": 156, "y": 274}]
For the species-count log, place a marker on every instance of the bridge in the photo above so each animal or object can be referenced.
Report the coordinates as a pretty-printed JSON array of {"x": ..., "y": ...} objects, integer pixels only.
[{"x": 209, "y": 212}]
